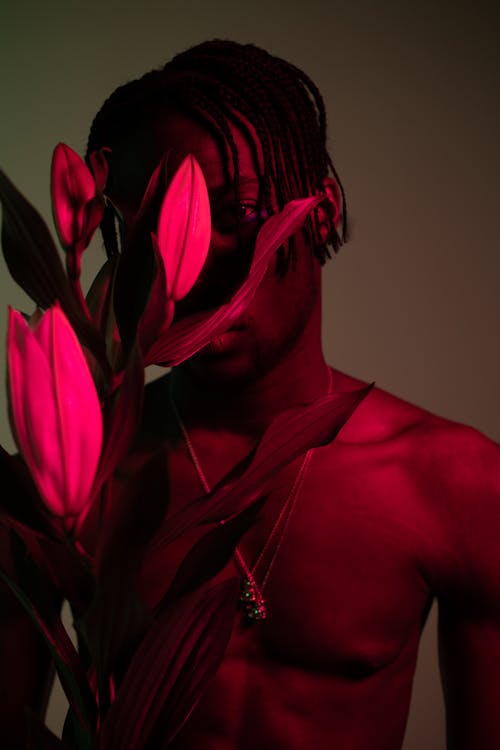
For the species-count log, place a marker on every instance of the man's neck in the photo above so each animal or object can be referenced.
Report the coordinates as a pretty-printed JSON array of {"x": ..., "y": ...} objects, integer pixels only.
[{"x": 247, "y": 408}]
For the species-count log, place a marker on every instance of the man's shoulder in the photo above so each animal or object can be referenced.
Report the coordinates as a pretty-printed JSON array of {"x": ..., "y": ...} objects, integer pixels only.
[
  {"x": 381, "y": 416},
  {"x": 462, "y": 456}
]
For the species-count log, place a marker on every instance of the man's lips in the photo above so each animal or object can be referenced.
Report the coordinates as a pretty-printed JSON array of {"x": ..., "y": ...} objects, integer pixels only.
[{"x": 226, "y": 341}]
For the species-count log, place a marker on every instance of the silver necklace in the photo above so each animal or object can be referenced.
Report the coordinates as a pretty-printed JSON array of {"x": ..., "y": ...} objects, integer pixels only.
[{"x": 252, "y": 594}]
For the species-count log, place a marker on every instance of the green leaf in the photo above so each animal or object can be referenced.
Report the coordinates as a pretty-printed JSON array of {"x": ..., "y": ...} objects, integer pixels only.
[
  {"x": 34, "y": 263},
  {"x": 112, "y": 627},
  {"x": 74, "y": 736},
  {"x": 292, "y": 433},
  {"x": 100, "y": 304},
  {"x": 29, "y": 250},
  {"x": 170, "y": 670},
  {"x": 20, "y": 504},
  {"x": 206, "y": 558},
  {"x": 117, "y": 618},
  {"x": 22, "y": 513},
  {"x": 67, "y": 662},
  {"x": 122, "y": 417},
  {"x": 137, "y": 267}
]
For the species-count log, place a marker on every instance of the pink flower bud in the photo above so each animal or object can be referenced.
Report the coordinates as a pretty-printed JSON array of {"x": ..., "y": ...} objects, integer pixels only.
[
  {"x": 183, "y": 235},
  {"x": 54, "y": 409},
  {"x": 77, "y": 206}
]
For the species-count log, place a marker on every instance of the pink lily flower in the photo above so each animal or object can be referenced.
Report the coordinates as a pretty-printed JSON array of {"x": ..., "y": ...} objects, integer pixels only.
[
  {"x": 181, "y": 246},
  {"x": 55, "y": 411},
  {"x": 77, "y": 202},
  {"x": 183, "y": 235}
]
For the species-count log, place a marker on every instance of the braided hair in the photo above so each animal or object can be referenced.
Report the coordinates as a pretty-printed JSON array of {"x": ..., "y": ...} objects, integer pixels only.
[{"x": 214, "y": 82}]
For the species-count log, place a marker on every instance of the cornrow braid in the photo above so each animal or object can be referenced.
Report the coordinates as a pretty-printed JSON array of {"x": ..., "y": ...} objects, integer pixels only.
[
  {"x": 233, "y": 99},
  {"x": 221, "y": 82},
  {"x": 313, "y": 151},
  {"x": 282, "y": 148}
]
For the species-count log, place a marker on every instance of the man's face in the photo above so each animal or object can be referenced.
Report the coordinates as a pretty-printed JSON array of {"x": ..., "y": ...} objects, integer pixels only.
[{"x": 279, "y": 312}]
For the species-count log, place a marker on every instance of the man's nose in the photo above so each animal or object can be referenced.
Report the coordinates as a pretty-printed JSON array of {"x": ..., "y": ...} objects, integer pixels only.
[{"x": 227, "y": 265}]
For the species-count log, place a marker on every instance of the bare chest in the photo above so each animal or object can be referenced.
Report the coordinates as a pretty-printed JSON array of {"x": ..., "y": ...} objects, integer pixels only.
[
  {"x": 339, "y": 564},
  {"x": 342, "y": 575}
]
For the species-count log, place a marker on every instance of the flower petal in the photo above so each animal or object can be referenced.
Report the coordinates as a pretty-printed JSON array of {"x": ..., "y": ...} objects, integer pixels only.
[
  {"x": 54, "y": 409},
  {"x": 72, "y": 187},
  {"x": 184, "y": 228},
  {"x": 78, "y": 411},
  {"x": 32, "y": 410}
]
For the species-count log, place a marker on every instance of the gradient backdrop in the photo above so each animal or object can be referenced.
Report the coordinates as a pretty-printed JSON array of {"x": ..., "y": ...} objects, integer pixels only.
[{"x": 412, "y": 93}]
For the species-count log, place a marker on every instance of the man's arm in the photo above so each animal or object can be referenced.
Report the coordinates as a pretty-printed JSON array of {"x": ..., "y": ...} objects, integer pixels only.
[
  {"x": 469, "y": 598},
  {"x": 26, "y": 668},
  {"x": 469, "y": 648}
]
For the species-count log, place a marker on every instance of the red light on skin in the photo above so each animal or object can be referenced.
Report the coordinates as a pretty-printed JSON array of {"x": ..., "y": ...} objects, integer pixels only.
[{"x": 226, "y": 342}]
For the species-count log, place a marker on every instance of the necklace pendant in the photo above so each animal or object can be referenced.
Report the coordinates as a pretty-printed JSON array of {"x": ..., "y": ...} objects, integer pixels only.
[{"x": 252, "y": 600}]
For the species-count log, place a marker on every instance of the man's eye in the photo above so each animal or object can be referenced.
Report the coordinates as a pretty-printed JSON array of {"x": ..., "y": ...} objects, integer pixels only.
[
  {"x": 228, "y": 218},
  {"x": 247, "y": 212}
]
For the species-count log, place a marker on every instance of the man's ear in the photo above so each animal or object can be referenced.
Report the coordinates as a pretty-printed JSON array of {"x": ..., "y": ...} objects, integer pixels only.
[{"x": 334, "y": 196}]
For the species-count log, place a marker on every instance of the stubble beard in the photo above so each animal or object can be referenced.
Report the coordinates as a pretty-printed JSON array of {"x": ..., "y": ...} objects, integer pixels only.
[{"x": 261, "y": 355}]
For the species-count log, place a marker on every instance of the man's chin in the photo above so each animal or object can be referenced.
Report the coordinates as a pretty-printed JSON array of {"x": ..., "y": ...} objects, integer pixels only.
[
  {"x": 220, "y": 369},
  {"x": 237, "y": 358},
  {"x": 224, "y": 363}
]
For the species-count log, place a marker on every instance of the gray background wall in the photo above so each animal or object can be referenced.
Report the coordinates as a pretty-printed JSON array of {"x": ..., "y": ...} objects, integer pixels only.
[{"x": 412, "y": 96}]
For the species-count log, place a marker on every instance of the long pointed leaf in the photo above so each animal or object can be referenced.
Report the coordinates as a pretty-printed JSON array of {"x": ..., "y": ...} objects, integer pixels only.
[
  {"x": 159, "y": 310},
  {"x": 29, "y": 250},
  {"x": 112, "y": 627},
  {"x": 34, "y": 263},
  {"x": 21, "y": 511},
  {"x": 66, "y": 659},
  {"x": 116, "y": 619},
  {"x": 136, "y": 269},
  {"x": 206, "y": 558},
  {"x": 20, "y": 503},
  {"x": 169, "y": 671},
  {"x": 99, "y": 296},
  {"x": 122, "y": 417},
  {"x": 289, "y": 435},
  {"x": 197, "y": 673},
  {"x": 74, "y": 736}
]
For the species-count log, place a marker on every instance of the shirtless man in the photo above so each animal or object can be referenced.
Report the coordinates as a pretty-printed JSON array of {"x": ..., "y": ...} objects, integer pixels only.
[{"x": 402, "y": 507}]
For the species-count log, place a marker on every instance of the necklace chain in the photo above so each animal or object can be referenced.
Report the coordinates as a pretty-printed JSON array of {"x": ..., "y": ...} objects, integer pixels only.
[{"x": 251, "y": 596}]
